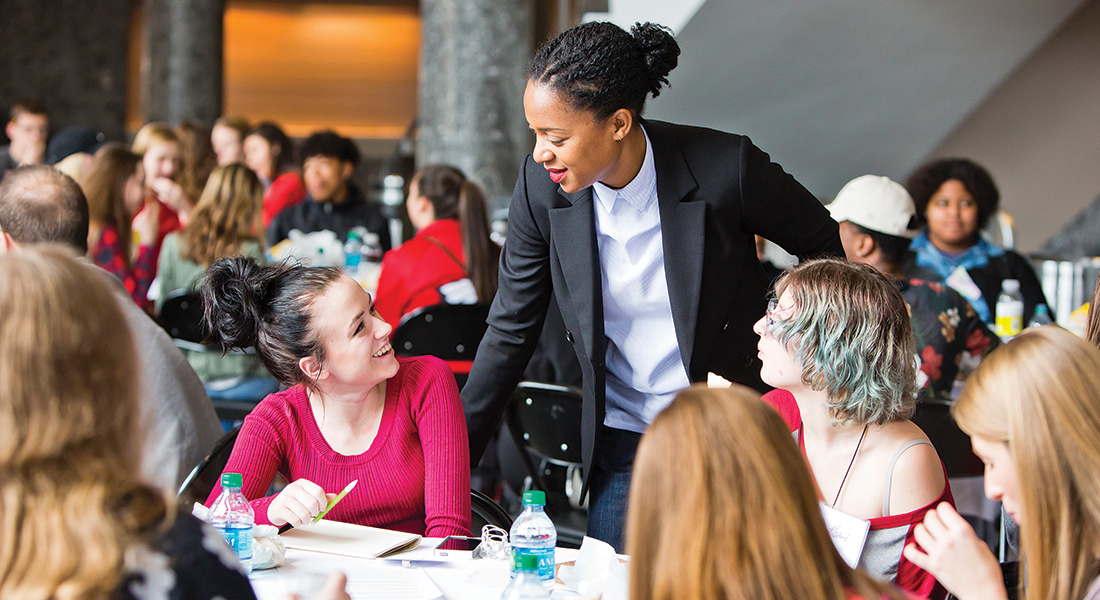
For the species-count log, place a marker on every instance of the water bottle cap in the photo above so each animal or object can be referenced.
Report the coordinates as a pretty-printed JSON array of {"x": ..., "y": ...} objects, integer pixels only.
[
  {"x": 1042, "y": 309},
  {"x": 352, "y": 235},
  {"x": 534, "y": 498},
  {"x": 1010, "y": 285},
  {"x": 527, "y": 562},
  {"x": 231, "y": 480}
]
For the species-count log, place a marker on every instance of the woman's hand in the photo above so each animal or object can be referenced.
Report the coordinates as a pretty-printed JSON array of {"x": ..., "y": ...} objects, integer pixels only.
[
  {"x": 146, "y": 224},
  {"x": 955, "y": 556},
  {"x": 170, "y": 193},
  {"x": 298, "y": 503}
]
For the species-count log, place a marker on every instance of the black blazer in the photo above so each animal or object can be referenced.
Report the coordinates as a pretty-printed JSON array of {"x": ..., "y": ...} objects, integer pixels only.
[{"x": 715, "y": 190}]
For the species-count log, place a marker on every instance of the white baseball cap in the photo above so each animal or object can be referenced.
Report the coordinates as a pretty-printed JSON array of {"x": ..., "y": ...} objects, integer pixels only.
[{"x": 877, "y": 203}]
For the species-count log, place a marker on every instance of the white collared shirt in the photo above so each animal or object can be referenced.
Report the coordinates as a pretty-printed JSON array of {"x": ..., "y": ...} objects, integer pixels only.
[{"x": 644, "y": 365}]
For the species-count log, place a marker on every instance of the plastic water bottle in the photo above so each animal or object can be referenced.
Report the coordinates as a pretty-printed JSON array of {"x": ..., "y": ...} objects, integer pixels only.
[
  {"x": 352, "y": 253},
  {"x": 372, "y": 248},
  {"x": 533, "y": 534},
  {"x": 526, "y": 585},
  {"x": 1010, "y": 310},
  {"x": 1041, "y": 317},
  {"x": 233, "y": 517}
]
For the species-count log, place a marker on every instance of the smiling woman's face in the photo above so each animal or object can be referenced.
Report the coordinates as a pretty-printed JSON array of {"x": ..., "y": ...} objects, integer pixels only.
[
  {"x": 355, "y": 339},
  {"x": 952, "y": 215},
  {"x": 573, "y": 145}
]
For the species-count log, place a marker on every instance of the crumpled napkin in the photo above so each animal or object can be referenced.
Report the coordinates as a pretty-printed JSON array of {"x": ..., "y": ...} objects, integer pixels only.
[
  {"x": 268, "y": 550},
  {"x": 597, "y": 572}
]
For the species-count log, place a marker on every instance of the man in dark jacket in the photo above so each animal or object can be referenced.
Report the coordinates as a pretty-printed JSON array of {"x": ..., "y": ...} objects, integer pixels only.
[{"x": 333, "y": 202}]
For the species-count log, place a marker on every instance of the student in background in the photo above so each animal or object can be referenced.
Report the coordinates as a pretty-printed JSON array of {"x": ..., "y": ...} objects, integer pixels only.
[
  {"x": 123, "y": 230},
  {"x": 451, "y": 259},
  {"x": 270, "y": 153},
  {"x": 225, "y": 222},
  {"x": 227, "y": 138}
]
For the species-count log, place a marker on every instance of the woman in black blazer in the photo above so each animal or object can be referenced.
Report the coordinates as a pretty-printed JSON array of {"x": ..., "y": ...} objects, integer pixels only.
[{"x": 650, "y": 303}]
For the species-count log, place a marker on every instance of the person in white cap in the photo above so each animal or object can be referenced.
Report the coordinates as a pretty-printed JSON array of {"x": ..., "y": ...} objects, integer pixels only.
[{"x": 877, "y": 218}]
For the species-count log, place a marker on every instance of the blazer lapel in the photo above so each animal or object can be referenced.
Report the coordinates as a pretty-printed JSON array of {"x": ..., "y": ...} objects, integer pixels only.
[
  {"x": 683, "y": 225},
  {"x": 574, "y": 241}
]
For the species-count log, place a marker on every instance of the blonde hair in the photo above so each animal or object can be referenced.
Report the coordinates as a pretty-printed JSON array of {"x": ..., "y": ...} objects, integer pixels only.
[
  {"x": 851, "y": 332},
  {"x": 722, "y": 505},
  {"x": 151, "y": 134},
  {"x": 70, "y": 502},
  {"x": 228, "y": 213},
  {"x": 1040, "y": 394}
]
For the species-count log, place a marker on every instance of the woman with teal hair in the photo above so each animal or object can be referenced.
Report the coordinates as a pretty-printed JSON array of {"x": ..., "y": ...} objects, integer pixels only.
[{"x": 838, "y": 345}]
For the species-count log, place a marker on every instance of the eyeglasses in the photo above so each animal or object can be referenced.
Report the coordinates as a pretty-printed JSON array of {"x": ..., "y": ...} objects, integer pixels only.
[{"x": 769, "y": 314}]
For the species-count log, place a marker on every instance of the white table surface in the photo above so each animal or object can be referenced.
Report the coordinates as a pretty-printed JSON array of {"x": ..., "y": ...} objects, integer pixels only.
[{"x": 460, "y": 577}]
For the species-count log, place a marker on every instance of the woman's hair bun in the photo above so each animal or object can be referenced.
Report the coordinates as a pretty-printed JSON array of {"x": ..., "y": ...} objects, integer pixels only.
[
  {"x": 234, "y": 296},
  {"x": 660, "y": 50}
]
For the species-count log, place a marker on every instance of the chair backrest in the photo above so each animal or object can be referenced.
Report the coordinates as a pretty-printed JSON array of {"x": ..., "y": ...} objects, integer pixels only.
[
  {"x": 952, "y": 444},
  {"x": 451, "y": 332},
  {"x": 181, "y": 316},
  {"x": 201, "y": 480},
  {"x": 483, "y": 511},
  {"x": 545, "y": 419}
]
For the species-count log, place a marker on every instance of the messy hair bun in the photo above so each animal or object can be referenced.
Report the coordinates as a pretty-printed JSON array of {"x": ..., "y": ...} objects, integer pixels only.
[
  {"x": 600, "y": 68},
  {"x": 247, "y": 304}
]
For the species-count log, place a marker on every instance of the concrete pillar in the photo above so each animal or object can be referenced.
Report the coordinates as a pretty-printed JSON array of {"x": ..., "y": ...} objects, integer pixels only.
[
  {"x": 71, "y": 56},
  {"x": 183, "y": 77},
  {"x": 472, "y": 57}
]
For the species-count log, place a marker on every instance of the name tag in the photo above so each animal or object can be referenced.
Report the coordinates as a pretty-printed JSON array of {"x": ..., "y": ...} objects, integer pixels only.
[
  {"x": 960, "y": 281},
  {"x": 849, "y": 533}
]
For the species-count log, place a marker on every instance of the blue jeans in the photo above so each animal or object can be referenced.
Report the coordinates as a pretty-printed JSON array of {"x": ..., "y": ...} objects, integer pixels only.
[{"x": 609, "y": 485}]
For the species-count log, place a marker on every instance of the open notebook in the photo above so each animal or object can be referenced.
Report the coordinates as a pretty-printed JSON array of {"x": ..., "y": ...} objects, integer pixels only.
[{"x": 345, "y": 539}]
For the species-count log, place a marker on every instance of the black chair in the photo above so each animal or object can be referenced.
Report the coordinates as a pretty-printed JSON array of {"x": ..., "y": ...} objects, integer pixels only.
[
  {"x": 545, "y": 423},
  {"x": 451, "y": 332},
  {"x": 202, "y": 479},
  {"x": 483, "y": 511},
  {"x": 181, "y": 317}
]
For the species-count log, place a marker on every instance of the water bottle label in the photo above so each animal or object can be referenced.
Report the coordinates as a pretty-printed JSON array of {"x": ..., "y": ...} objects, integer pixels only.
[
  {"x": 240, "y": 540},
  {"x": 1009, "y": 325},
  {"x": 545, "y": 557}
]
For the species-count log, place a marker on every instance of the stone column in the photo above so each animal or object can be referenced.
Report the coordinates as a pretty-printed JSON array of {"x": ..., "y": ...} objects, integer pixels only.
[
  {"x": 183, "y": 68},
  {"x": 472, "y": 57}
]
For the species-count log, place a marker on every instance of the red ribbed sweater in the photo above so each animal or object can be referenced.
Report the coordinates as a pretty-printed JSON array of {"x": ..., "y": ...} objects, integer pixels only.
[{"x": 415, "y": 476}]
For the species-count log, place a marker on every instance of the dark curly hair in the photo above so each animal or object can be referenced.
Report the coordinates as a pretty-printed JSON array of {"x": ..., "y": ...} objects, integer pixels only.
[
  {"x": 329, "y": 143},
  {"x": 599, "y": 67},
  {"x": 248, "y": 304},
  {"x": 928, "y": 178}
]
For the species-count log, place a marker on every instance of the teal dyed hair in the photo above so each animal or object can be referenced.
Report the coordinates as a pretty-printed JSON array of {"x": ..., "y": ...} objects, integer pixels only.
[{"x": 851, "y": 333}]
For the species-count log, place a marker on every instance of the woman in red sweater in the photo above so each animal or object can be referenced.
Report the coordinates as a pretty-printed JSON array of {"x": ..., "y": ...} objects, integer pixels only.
[
  {"x": 270, "y": 153},
  {"x": 451, "y": 260},
  {"x": 353, "y": 410}
]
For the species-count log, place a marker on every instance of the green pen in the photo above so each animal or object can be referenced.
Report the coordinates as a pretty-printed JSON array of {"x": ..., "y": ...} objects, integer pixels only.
[{"x": 333, "y": 502}]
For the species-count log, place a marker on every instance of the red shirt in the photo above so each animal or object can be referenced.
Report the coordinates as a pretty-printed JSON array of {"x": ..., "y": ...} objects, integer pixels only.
[
  {"x": 412, "y": 273},
  {"x": 415, "y": 476},
  {"x": 286, "y": 190},
  {"x": 109, "y": 255}
]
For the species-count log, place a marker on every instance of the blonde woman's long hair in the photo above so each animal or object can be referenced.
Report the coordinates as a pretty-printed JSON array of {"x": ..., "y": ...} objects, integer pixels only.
[
  {"x": 70, "y": 503},
  {"x": 1040, "y": 394},
  {"x": 227, "y": 214},
  {"x": 722, "y": 506}
]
